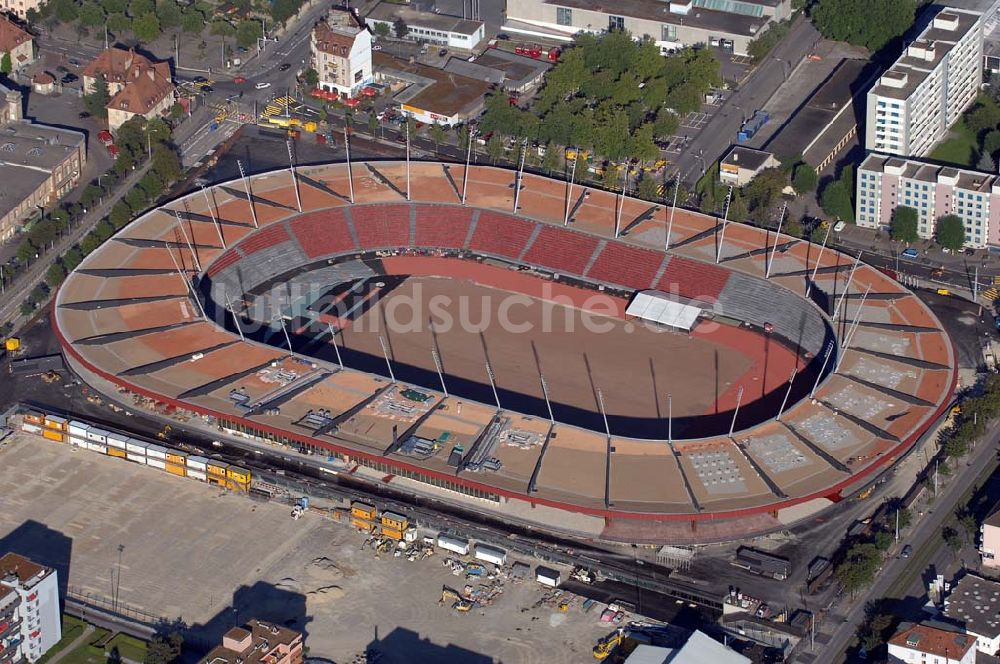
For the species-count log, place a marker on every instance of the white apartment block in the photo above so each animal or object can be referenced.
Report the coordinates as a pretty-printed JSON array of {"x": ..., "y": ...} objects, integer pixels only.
[
  {"x": 30, "y": 620},
  {"x": 924, "y": 644},
  {"x": 885, "y": 183},
  {"x": 342, "y": 54},
  {"x": 916, "y": 100}
]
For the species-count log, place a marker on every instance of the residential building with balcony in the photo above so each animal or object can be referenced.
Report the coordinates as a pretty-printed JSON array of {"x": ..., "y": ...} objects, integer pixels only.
[
  {"x": 30, "y": 620},
  {"x": 258, "y": 642},
  {"x": 914, "y": 103},
  {"x": 342, "y": 53},
  {"x": 885, "y": 183}
]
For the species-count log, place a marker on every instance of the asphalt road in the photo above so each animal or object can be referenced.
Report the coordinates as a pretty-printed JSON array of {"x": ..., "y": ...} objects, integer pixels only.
[{"x": 720, "y": 132}]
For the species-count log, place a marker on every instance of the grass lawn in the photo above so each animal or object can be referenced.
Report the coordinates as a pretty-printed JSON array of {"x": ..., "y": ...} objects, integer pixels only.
[
  {"x": 959, "y": 148},
  {"x": 71, "y": 628},
  {"x": 129, "y": 647}
]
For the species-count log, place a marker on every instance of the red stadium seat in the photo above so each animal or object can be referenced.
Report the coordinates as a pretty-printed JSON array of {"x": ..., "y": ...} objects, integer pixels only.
[
  {"x": 381, "y": 226},
  {"x": 563, "y": 250},
  {"x": 442, "y": 226},
  {"x": 501, "y": 235},
  {"x": 626, "y": 266},
  {"x": 692, "y": 278},
  {"x": 322, "y": 233},
  {"x": 264, "y": 238}
]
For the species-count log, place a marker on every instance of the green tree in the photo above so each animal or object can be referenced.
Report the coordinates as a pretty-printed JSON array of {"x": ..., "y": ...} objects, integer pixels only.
[
  {"x": 984, "y": 115},
  {"x": 170, "y": 14},
  {"x": 282, "y": 10},
  {"x": 89, "y": 243},
  {"x": 400, "y": 28},
  {"x": 137, "y": 200},
  {"x": 550, "y": 161},
  {"x": 158, "y": 131},
  {"x": 223, "y": 28},
  {"x": 146, "y": 27},
  {"x": 991, "y": 142},
  {"x": 120, "y": 214},
  {"x": 166, "y": 164},
  {"x": 494, "y": 147},
  {"x": 164, "y": 650},
  {"x": 852, "y": 20},
  {"x": 373, "y": 123},
  {"x": 26, "y": 251},
  {"x": 247, "y": 33},
  {"x": 119, "y": 23},
  {"x": 437, "y": 134},
  {"x": 836, "y": 201},
  {"x": 55, "y": 275},
  {"x": 763, "y": 193},
  {"x": 857, "y": 569},
  {"x": 114, "y": 6},
  {"x": 382, "y": 29},
  {"x": 311, "y": 77},
  {"x": 193, "y": 21},
  {"x": 951, "y": 538},
  {"x": 6, "y": 65},
  {"x": 950, "y": 232},
  {"x": 903, "y": 226},
  {"x": 65, "y": 10},
  {"x": 792, "y": 228},
  {"x": 648, "y": 187},
  {"x": 90, "y": 195},
  {"x": 986, "y": 163},
  {"x": 804, "y": 179},
  {"x": 96, "y": 102},
  {"x": 152, "y": 185},
  {"x": 72, "y": 258},
  {"x": 91, "y": 15}
]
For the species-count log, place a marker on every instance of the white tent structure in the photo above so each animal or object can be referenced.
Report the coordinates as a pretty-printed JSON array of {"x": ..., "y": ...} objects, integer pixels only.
[{"x": 658, "y": 307}]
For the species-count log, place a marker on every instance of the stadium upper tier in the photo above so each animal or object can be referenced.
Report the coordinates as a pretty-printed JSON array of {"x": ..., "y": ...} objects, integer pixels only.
[{"x": 126, "y": 316}]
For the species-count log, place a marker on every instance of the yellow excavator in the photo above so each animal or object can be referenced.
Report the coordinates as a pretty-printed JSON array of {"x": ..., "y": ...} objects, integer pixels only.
[
  {"x": 607, "y": 644},
  {"x": 459, "y": 603}
]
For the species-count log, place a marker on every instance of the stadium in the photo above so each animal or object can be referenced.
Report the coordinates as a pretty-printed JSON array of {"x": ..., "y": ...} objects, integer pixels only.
[{"x": 549, "y": 353}]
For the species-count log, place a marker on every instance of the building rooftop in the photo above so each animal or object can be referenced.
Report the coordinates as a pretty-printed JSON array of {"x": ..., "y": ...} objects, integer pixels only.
[
  {"x": 974, "y": 603},
  {"x": 915, "y": 169},
  {"x": 994, "y": 517},
  {"x": 27, "y": 572},
  {"x": 116, "y": 64},
  {"x": 254, "y": 643},
  {"x": 745, "y": 157},
  {"x": 942, "y": 31},
  {"x": 933, "y": 641},
  {"x": 656, "y": 10},
  {"x": 431, "y": 89},
  {"x": 703, "y": 649},
  {"x": 335, "y": 39},
  {"x": 518, "y": 70},
  {"x": 28, "y": 153},
  {"x": 146, "y": 87},
  {"x": 386, "y": 11},
  {"x": 11, "y": 35}
]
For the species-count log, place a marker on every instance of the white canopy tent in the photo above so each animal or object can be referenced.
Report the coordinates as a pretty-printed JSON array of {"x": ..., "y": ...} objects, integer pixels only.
[{"x": 657, "y": 307}]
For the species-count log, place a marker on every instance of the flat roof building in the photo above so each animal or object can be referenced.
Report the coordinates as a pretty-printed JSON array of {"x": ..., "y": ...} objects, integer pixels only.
[
  {"x": 974, "y": 606},
  {"x": 431, "y": 95},
  {"x": 439, "y": 29},
  {"x": 672, "y": 25},
  {"x": 742, "y": 164},
  {"x": 30, "y": 620},
  {"x": 914, "y": 103},
  {"x": 258, "y": 642},
  {"x": 512, "y": 72}
]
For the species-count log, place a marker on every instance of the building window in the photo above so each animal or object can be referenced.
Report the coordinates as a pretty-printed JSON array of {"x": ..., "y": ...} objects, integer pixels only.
[
  {"x": 669, "y": 33},
  {"x": 564, "y": 16},
  {"x": 616, "y": 23}
]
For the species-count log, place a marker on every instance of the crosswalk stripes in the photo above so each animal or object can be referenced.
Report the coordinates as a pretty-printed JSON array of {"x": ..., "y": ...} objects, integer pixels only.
[{"x": 991, "y": 294}]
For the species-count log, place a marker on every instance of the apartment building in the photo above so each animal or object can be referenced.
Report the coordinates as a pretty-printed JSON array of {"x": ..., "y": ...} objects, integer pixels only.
[
  {"x": 137, "y": 85},
  {"x": 885, "y": 182},
  {"x": 989, "y": 540},
  {"x": 672, "y": 24},
  {"x": 912, "y": 105},
  {"x": 20, "y": 8},
  {"x": 30, "y": 620},
  {"x": 974, "y": 607},
  {"x": 258, "y": 642},
  {"x": 342, "y": 53},
  {"x": 926, "y": 644}
]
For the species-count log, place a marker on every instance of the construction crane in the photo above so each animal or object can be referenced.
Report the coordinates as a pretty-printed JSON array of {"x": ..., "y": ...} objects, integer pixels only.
[{"x": 607, "y": 644}]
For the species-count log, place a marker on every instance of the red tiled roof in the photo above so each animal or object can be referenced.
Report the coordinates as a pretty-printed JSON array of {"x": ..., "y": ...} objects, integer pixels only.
[
  {"x": 333, "y": 41},
  {"x": 114, "y": 64},
  {"x": 11, "y": 36},
  {"x": 934, "y": 641},
  {"x": 146, "y": 86}
]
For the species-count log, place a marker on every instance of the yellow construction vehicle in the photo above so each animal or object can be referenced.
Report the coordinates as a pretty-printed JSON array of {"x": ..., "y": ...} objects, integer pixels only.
[
  {"x": 51, "y": 377},
  {"x": 607, "y": 644},
  {"x": 459, "y": 603},
  {"x": 164, "y": 432},
  {"x": 12, "y": 344},
  {"x": 563, "y": 607}
]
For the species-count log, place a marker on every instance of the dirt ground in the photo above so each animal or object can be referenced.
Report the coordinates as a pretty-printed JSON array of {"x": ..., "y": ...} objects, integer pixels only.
[
  {"x": 214, "y": 559},
  {"x": 633, "y": 365}
]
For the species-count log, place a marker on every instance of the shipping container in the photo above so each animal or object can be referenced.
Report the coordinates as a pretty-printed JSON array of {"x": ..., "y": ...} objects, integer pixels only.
[
  {"x": 177, "y": 458},
  {"x": 34, "y": 417},
  {"x": 218, "y": 469},
  {"x": 196, "y": 474},
  {"x": 58, "y": 436},
  {"x": 136, "y": 447},
  {"x": 77, "y": 442},
  {"x": 363, "y": 524},
  {"x": 118, "y": 440},
  {"x": 491, "y": 554},
  {"x": 392, "y": 533},
  {"x": 363, "y": 510},
  {"x": 217, "y": 481},
  {"x": 78, "y": 429},
  {"x": 56, "y": 422},
  {"x": 238, "y": 475},
  {"x": 454, "y": 544},
  {"x": 174, "y": 469},
  {"x": 100, "y": 448},
  {"x": 97, "y": 435},
  {"x": 394, "y": 521},
  {"x": 138, "y": 458},
  {"x": 547, "y": 576},
  {"x": 156, "y": 452},
  {"x": 116, "y": 452},
  {"x": 156, "y": 463},
  {"x": 197, "y": 463},
  {"x": 30, "y": 427}
]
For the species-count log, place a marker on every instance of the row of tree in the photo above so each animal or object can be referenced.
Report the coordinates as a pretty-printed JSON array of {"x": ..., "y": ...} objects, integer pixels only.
[
  {"x": 949, "y": 230},
  {"x": 872, "y": 24}
]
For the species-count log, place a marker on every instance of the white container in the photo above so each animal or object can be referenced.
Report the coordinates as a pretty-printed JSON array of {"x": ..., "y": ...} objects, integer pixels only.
[
  {"x": 138, "y": 458},
  {"x": 197, "y": 475},
  {"x": 30, "y": 428},
  {"x": 453, "y": 544},
  {"x": 78, "y": 429},
  {"x": 97, "y": 447},
  {"x": 156, "y": 452},
  {"x": 156, "y": 463},
  {"x": 136, "y": 447},
  {"x": 491, "y": 554},
  {"x": 77, "y": 442},
  {"x": 197, "y": 463},
  {"x": 97, "y": 435},
  {"x": 547, "y": 577},
  {"x": 118, "y": 440}
]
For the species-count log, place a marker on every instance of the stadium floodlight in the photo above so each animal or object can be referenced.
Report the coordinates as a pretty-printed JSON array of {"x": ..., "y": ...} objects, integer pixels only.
[
  {"x": 784, "y": 402},
  {"x": 246, "y": 188},
  {"x": 187, "y": 284},
  {"x": 194, "y": 255},
  {"x": 291, "y": 169},
  {"x": 288, "y": 339},
  {"x": 333, "y": 340},
  {"x": 465, "y": 178},
  {"x": 385, "y": 354},
  {"x": 604, "y": 413},
  {"x": 545, "y": 393},
  {"x": 847, "y": 289},
  {"x": 519, "y": 178},
  {"x": 819, "y": 259},
  {"x": 236, "y": 320},
  {"x": 218, "y": 228},
  {"x": 850, "y": 332},
  {"x": 819, "y": 377},
  {"x": 493, "y": 384},
  {"x": 777, "y": 235},
  {"x": 670, "y": 419},
  {"x": 437, "y": 365},
  {"x": 407, "y": 159},
  {"x": 569, "y": 190},
  {"x": 350, "y": 172},
  {"x": 673, "y": 208},
  {"x": 725, "y": 223},
  {"x": 739, "y": 400},
  {"x": 621, "y": 202}
]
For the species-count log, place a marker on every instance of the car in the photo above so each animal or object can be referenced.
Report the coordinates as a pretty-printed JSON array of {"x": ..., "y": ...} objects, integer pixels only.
[
  {"x": 83, "y": 115},
  {"x": 262, "y": 85},
  {"x": 907, "y": 551},
  {"x": 62, "y": 68},
  {"x": 284, "y": 67},
  {"x": 839, "y": 226},
  {"x": 503, "y": 36},
  {"x": 377, "y": 47},
  {"x": 970, "y": 252},
  {"x": 69, "y": 78},
  {"x": 910, "y": 253},
  {"x": 443, "y": 52},
  {"x": 207, "y": 89},
  {"x": 239, "y": 80},
  {"x": 199, "y": 79},
  {"x": 74, "y": 62}
]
